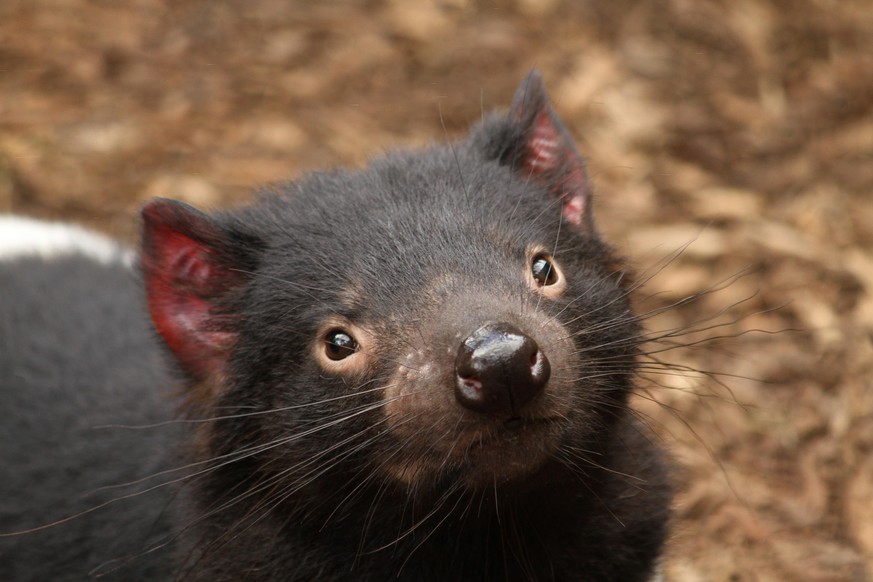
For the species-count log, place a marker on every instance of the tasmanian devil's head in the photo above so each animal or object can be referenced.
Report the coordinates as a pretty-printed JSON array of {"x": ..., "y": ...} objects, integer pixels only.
[{"x": 447, "y": 315}]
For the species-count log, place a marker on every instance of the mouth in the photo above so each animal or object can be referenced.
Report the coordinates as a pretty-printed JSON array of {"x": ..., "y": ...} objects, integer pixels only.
[
  {"x": 513, "y": 448},
  {"x": 514, "y": 423},
  {"x": 483, "y": 453},
  {"x": 513, "y": 429}
]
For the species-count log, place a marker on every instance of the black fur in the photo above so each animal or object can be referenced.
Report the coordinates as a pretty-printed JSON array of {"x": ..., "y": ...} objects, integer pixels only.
[
  {"x": 420, "y": 249},
  {"x": 76, "y": 353}
]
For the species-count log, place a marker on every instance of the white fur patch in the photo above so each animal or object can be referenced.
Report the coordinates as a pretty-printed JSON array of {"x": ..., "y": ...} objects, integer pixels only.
[{"x": 22, "y": 237}]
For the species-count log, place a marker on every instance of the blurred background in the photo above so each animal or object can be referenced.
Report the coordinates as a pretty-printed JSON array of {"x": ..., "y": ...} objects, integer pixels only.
[{"x": 731, "y": 146}]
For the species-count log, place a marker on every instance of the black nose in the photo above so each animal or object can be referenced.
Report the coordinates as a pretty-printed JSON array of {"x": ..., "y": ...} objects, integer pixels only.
[{"x": 499, "y": 369}]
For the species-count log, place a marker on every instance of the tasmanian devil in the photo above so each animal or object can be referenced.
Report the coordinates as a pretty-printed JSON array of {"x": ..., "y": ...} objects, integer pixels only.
[{"x": 417, "y": 371}]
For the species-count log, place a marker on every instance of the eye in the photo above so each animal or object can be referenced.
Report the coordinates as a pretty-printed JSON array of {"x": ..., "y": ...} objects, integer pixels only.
[
  {"x": 338, "y": 345},
  {"x": 543, "y": 271}
]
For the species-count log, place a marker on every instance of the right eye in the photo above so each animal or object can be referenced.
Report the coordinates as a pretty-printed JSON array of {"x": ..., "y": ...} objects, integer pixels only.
[{"x": 339, "y": 345}]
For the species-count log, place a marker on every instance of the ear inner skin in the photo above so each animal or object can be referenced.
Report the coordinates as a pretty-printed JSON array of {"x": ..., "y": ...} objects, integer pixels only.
[
  {"x": 187, "y": 271},
  {"x": 545, "y": 152}
]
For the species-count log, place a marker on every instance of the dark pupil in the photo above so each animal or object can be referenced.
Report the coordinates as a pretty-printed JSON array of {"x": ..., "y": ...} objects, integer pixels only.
[
  {"x": 542, "y": 270},
  {"x": 339, "y": 345}
]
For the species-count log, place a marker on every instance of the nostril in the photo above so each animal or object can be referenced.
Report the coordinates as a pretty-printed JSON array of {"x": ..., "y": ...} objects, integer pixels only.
[
  {"x": 540, "y": 370},
  {"x": 472, "y": 384}
]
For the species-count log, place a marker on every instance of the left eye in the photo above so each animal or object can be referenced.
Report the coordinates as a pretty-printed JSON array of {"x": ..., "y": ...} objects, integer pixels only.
[
  {"x": 543, "y": 271},
  {"x": 338, "y": 345}
]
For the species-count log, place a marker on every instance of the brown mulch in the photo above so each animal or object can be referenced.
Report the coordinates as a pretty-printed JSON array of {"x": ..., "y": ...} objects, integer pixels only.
[{"x": 740, "y": 133}]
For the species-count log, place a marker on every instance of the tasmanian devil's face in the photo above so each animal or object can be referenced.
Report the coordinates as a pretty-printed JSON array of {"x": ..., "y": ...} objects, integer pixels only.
[{"x": 444, "y": 316}]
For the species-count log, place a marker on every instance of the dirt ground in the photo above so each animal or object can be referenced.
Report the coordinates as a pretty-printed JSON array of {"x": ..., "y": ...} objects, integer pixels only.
[{"x": 742, "y": 129}]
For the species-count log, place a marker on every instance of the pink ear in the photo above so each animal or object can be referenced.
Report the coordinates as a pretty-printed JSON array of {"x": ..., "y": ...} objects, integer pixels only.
[
  {"x": 187, "y": 273},
  {"x": 546, "y": 152}
]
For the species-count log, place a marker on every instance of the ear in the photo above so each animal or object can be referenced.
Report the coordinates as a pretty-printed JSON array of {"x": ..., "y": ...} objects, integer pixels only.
[
  {"x": 540, "y": 149},
  {"x": 193, "y": 268}
]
